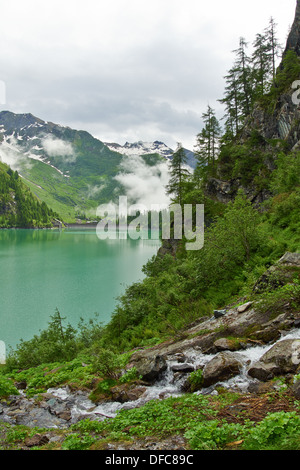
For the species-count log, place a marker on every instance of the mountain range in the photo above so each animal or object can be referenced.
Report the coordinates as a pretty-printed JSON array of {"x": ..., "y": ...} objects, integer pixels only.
[{"x": 70, "y": 170}]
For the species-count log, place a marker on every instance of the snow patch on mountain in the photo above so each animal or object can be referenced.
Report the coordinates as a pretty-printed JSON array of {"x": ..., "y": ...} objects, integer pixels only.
[{"x": 142, "y": 148}]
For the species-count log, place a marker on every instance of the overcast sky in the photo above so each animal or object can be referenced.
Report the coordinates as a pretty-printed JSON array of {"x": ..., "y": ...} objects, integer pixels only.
[{"x": 127, "y": 70}]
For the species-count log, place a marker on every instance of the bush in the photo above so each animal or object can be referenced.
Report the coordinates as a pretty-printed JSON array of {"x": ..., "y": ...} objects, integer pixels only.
[
  {"x": 214, "y": 435},
  {"x": 274, "y": 432},
  {"x": 195, "y": 379},
  {"x": 7, "y": 388}
]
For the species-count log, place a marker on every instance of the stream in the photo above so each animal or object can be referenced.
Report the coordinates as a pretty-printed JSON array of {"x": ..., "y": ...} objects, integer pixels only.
[{"x": 169, "y": 385}]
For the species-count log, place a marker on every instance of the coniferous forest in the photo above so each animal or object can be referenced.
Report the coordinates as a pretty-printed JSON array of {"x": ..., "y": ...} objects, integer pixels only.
[{"x": 18, "y": 206}]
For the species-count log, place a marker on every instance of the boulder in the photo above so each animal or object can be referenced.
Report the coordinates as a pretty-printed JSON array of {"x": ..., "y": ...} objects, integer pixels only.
[
  {"x": 263, "y": 372},
  {"x": 244, "y": 307},
  {"x": 280, "y": 273},
  {"x": 222, "y": 367},
  {"x": 296, "y": 389},
  {"x": 225, "y": 344},
  {"x": 183, "y": 368},
  {"x": 290, "y": 259},
  {"x": 126, "y": 392},
  {"x": 285, "y": 355},
  {"x": 267, "y": 335},
  {"x": 219, "y": 313},
  {"x": 37, "y": 440},
  {"x": 150, "y": 368}
]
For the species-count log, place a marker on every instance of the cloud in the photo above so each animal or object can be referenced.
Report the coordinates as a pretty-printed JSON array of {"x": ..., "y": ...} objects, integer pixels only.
[
  {"x": 93, "y": 191},
  {"x": 144, "y": 184},
  {"x": 59, "y": 148},
  {"x": 119, "y": 69},
  {"x": 12, "y": 155}
]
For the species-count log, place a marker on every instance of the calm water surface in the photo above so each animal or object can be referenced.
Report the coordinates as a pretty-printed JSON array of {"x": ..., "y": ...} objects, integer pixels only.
[{"x": 71, "y": 270}]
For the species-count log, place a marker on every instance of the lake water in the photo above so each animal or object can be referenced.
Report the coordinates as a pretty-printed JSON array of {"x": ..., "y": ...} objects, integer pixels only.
[{"x": 71, "y": 270}]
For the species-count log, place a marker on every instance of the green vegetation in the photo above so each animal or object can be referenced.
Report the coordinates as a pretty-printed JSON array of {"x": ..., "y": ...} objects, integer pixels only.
[
  {"x": 196, "y": 417},
  {"x": 18, "y": 206},
  {"x": 242, "y": 240}
]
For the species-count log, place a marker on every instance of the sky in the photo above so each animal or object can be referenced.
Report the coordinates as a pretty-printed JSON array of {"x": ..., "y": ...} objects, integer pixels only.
[{"x": 127, "y": 70}]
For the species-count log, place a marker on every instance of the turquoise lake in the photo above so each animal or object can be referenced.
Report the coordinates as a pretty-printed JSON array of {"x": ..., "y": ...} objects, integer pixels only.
[{"x": 71, "y": 270}]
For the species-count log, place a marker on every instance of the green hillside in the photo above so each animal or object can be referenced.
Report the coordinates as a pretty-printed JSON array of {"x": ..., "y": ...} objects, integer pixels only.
[
  {"x": 70, "y": 170},
  {"x": 18, "y": 206}
]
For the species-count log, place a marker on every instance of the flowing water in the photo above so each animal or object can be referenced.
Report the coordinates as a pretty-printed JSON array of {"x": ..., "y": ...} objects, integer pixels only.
[
  {"x": 71, "y": 270},
  {"x": 168, "y": 386}
]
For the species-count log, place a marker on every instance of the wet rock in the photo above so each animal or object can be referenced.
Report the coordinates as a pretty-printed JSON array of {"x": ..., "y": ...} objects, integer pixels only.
[
  {"x": 225, "y": 344},
  {"x": 297, "y": 323},
  {"x": 183, "y": 368},
  {"x": 263, "y": 372},
  {"x": 125, "y": 392},
  {"x": 222, "y": 367},
  {"x": 267, "y": 335},
  {"x": 179, "y": 357},
  {"x": 285, "y": 355},
  {"x": 65, "y": 415},
  {"x": 150, "y": 368},
  {"x": 219, "y": 313}
]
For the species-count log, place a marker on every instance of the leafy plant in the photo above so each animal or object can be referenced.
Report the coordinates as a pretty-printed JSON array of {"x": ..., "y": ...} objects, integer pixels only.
[
  {"x": 214, "y": 435},
  {"x": 7, "y": 387},
  {"x": 274, "y": 431},
  {"x": 195, "y": 379},
  {"x": 78, "y": 442}
]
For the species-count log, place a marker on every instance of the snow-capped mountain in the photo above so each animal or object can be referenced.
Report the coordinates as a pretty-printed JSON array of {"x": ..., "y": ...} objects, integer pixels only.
[
  {"x": 74, "y": 172},
  {"x": 145, "y": 148},
  {"x": 142, "y": 148}
]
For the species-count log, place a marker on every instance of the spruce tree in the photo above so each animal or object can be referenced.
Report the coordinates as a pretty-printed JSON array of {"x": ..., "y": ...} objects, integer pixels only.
[
  {"x": 207, "y": 147},
  {"x": 275, "y": 48},
  {"x": 179, "y": 175},
  {"x": 238, "y": 96}
]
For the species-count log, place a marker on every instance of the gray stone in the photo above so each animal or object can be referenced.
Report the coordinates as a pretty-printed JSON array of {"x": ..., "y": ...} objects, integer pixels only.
[
  {"x": 244, "y": 307},
  {"x": 222, "y": 367},
  {"x": 285, "y": 354},
  {"x": 150, "y": 368},
  {"x": 290, "y": 259},
  {"x": 219, "y": 313},
  {"x": 225, "y": 344},
  {"x": 263, "y": 372},
  {"x": 183, "y": 368},
  {"x": 296, "y": 389}
]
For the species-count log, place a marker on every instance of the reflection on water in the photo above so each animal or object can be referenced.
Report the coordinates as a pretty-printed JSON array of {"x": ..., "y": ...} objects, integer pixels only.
[{"x": 71, "y": 270}]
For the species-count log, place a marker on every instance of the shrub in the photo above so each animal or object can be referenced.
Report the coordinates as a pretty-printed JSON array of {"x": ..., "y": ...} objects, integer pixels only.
[
  {"x": 214, "y": 435},
  {"x": 7, "y": 387},
  {"x": 274, "y": 432},
  {"x": 195, "y": 379}
]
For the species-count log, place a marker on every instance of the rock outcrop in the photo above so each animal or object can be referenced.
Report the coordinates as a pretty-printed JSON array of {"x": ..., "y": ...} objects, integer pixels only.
[{"x": 293, "y": 41}]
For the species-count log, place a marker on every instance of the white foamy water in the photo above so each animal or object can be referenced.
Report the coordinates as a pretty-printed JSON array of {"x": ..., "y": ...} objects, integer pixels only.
[{"x": 170, "y": 383}]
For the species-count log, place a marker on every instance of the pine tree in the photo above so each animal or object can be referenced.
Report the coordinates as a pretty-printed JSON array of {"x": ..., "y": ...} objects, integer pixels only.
[
  {"x": 238, "y": 96},
  {"x": 207, "y": 147},
  {"x": 275, "y": 48},
  {"x": 266, "y": 50},
  {"x": 261, "y": 64},
  {"x": 244, "y": 77},
  {"x": 179, "y": 175}
]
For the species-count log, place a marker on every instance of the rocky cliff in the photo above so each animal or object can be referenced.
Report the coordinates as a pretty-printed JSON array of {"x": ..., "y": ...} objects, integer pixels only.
[
  {"x": 275, "y": 120},
  {"x": 293, "y": 41}
]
